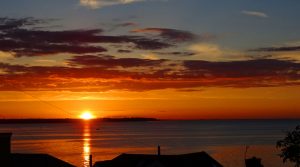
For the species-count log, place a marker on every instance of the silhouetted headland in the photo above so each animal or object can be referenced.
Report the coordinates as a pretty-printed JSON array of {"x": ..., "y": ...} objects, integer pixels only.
[
  {"x": 137, "y": 119},
  {"x": 39, "y": 121}
]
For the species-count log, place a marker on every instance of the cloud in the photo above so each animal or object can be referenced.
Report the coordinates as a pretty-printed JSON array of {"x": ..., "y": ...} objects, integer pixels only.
[
  {"x": 255, "y": 14},
  {"x": 150, "y": 56},
  {"x": 127, "y": 24},
  {"x": 124, "y": 51},
  {"x": 92, "y": 66},
  {"x": 5, "y": 56},
  {"x": 248, "y": 73},
  {"x": 278, "y": 49},
  {"x": 113, "y": 27},
  {"x": 12, "y": 23},
  {"x": 211, "y": 51},
  {"x": 94, "y": 4},
  {"x": 289, "y": 51},
  {"x": 206, "y": 49},
  {"x": 110, "y": 61},
  {"x": 45, "y": 61},
  {"x": 18, "y": 37},
  {"x": 169, "y": 34},
  {"x": 103, "y": 73},
  {"x": 177, "y": 53},
  {"x": 39, "y": 49},
  {"x": 286, "y": 50}
]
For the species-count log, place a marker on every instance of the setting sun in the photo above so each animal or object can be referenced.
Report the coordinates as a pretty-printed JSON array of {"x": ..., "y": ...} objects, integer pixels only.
[{"x": 86, "y": 115}]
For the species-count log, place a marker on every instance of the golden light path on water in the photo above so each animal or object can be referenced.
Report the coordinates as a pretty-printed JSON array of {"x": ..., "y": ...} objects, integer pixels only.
[{"x": 86, "y": 144}]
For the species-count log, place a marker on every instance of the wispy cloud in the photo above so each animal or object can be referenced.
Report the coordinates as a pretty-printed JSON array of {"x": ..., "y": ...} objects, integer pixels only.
[
  {"x": 94, "y": 4},
  {"x": 5, "y": 55},
  {"x": 175, "y": 35},
  {"x": 213, "y": 52},
  {"x": 206, "y": 49},
  {"x": 289, "y": 51},
  {"x": 169, "y": 34},
  {"x": 255, "y": 13}
]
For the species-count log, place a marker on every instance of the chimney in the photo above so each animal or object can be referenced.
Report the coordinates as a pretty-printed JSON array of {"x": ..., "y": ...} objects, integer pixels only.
[
  {"x": 5, "y": 146},
  {"x": 91, "y": 160},
  {"x": 158, "y": 150}
]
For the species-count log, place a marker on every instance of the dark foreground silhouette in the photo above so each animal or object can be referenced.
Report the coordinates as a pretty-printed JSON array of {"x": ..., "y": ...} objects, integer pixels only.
[
  {"x": 8, "y": 159},
  {"x": 290, "y": 147},
  {"x": 143, "y": 160}
]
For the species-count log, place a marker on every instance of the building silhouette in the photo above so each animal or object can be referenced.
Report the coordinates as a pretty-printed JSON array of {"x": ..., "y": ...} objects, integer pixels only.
[
  {"x": 8, "y": 159},
  {"x": 143, "y": 160}
]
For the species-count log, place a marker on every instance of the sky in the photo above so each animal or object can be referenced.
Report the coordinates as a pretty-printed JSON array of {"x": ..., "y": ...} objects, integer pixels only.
[{"x": 168, "y": 59}]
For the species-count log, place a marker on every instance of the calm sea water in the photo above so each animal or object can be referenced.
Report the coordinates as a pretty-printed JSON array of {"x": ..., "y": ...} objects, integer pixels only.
[{"x": 224, "y": 140}]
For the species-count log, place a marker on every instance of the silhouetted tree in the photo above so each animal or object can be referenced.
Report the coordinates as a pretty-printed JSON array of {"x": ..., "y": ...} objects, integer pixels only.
[{"x": 290, "y": 147}]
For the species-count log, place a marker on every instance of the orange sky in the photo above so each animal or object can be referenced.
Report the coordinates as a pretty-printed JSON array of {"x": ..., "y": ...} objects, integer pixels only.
[
  {"x": 209, "y": 103},
  {"x": 59, "y": 59}
]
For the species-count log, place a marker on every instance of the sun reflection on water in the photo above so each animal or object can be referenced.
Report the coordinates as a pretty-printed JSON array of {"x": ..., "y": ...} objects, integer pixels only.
[{"x": 86, "y": 145}]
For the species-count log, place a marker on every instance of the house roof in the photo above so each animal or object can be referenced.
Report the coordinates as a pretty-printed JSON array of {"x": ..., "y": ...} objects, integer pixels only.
[
  {"x": 8, "y": 159},
  {"x": 200, "y": 159},
  {"x": 37, "y": 160}
]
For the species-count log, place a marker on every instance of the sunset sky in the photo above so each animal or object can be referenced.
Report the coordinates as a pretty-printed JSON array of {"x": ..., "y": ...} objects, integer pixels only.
[{"x": 168, "y": 59}]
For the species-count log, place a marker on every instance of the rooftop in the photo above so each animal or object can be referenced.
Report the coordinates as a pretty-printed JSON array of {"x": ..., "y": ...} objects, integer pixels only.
[
  {"x": 8, "y": 159},
  {"x": 143, "y": 160}
]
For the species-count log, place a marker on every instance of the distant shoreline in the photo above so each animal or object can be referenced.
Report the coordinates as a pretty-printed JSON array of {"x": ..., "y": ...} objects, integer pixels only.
[
  {"x": 133, "y": 119},
  {"x": 70, "y": 120}
]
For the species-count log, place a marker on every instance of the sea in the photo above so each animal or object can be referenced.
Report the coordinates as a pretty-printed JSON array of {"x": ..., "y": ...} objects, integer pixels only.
[{"x": 224, "y": 140}]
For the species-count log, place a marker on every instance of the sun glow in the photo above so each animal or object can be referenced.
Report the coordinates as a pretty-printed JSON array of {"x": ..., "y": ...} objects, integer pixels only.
[{"x": 87, "y": 115}]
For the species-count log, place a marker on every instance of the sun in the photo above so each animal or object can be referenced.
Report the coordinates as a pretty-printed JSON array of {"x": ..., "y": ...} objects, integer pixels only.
[{"x": 87, "y": 115}]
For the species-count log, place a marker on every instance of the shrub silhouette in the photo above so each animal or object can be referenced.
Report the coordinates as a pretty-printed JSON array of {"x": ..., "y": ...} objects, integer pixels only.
[{"x": 290, "y": 147}]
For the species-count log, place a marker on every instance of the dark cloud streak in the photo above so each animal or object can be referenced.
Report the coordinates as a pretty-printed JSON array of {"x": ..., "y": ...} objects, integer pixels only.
[
  {"x": 278, "y": 49},
  {"x": 175, "y": 35},
  {"x": 169, "y": 34},
  {"x": 18, "y": 36},
  {"x": 110, "y": 61},
  {"x": 180, "y": 54},
  {"x": 101, "y": 73}
]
